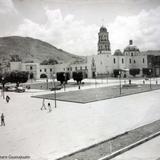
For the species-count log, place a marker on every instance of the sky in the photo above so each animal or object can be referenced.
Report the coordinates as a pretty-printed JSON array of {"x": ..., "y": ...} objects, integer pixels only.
[{"x": 73, "y": 25}]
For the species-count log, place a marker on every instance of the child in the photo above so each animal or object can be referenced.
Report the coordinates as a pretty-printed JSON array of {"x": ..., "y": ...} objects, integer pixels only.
[{"x": 49, "y": 107}]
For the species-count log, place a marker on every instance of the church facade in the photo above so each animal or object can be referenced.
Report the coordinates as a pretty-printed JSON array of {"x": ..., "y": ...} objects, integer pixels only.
[{"x": 104, "y": 63}]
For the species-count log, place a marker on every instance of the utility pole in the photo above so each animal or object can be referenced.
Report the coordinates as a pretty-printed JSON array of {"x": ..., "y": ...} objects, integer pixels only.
[
  {"x": 54, "y": 77},
  {"x": 120, "y": 82},
  {"x": 150, "y": 71},
  {"x": 3, "y": 88}
]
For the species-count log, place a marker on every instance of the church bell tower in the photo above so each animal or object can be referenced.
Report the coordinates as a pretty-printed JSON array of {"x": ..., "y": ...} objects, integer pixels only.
[{"x": 103, "y": 41}]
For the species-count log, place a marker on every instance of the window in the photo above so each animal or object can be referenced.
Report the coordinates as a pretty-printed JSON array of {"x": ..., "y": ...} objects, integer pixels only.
[
  {"x": 131, "y": 54},
  {"x": 31, "y": 68},
  {"x": 122, "y": 60},
  {"x": 130, "y": 61},
  {"x": 86, "y": 67},
  {"x": 70, "y": 68},
  {"x": 40, "y": 70},
  {"x": 80, "y": 68},
  {"x": 64, "y": 69},
  {"x": 134, "y": 61},
  {"x": 76, "y": 68},
  {"x": 143, "y": 60},
  {"x": 45, "y": 70},
  {"x": 114, "y": 60},
  {"x": 50, "y": 69}
]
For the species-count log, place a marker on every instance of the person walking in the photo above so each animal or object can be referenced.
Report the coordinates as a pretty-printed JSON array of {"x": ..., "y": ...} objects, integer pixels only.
[
  {"x": 7, "y": 98},
  {"x": 143, "y": 82},
  {"x": 2, "y": 120},
  {"x": 49, "y": 107},
  {"x": 43, "y": 105}
]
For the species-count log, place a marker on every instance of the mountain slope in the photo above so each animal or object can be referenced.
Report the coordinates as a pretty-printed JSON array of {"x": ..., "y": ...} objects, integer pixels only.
[
  {"x": 151, "y": 52},
  {"x": 30, "y": 49}
]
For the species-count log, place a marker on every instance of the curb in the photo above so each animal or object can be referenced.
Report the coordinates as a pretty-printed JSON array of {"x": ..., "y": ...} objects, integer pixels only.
[{"x": 125, "y": 149}]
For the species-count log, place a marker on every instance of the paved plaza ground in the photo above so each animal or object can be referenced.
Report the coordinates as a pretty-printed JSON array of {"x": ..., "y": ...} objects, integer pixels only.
[
  {"x": 47, "y": 135},
  {"x": 97, "y": 94}
]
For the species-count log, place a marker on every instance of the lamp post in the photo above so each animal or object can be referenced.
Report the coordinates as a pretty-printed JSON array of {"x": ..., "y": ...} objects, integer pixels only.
[
  {"x": 64, "y": 81},
  {"x": 3, "y": 87},
  {"x": 47, "y": 82},
  {"x": 107, "y": 73},
  {"x": 120, "y": 83},
  {"x": 150, "y": 71},
  {"x": 156, "y": 81},
  {"x": 54, "y": 77},
  {"x": 107, "y": 76},
  {"x": 95, "y": 80}
]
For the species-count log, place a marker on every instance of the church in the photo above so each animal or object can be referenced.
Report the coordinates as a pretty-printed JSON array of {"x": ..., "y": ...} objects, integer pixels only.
[{"x": 104, "y": 63}]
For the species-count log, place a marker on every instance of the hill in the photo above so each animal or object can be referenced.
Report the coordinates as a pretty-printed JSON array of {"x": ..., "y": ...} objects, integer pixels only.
[
  {"x": 151, "y": 52},
  {"x": 30, "y": 49}
]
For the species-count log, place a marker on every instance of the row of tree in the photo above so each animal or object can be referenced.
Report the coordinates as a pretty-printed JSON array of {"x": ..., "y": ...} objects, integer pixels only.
[
  {"x": 16, "y": 77},
  {"x": 63, "y": 77},
  {"x": 134, "y": 72}
]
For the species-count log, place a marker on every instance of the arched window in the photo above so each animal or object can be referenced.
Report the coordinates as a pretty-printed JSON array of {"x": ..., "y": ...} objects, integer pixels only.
[{"x": 122, "y": 60}]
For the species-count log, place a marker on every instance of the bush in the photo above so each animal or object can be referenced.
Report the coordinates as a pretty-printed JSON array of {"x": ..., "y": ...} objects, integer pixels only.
[{"x": 134, "y": 71}]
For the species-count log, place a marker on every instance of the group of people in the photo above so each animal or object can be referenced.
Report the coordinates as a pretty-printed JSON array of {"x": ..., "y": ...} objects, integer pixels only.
[{"x": 44, "y": 106}]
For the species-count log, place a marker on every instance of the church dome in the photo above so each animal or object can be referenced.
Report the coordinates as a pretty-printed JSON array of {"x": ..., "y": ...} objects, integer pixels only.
[
  {"x": 131, "y": 47},
  {"x": 118, "y": 52},
  {"x": 103, "y": 29}
]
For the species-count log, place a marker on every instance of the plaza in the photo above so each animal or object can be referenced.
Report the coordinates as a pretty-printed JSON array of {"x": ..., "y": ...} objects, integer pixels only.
[{"x": 71, "y": 126}]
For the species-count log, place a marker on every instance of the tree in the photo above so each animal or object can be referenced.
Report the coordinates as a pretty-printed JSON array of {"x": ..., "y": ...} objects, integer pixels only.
[
  {"x": 116, "y": 72},
  {"x": 49, "y": 62},
  {"x": 78, "y": 76},
  {"x": 147, "y": 71},
  {"x": 43, "y": 76},
  {"x": 18, "y": 77},
  {"x": 15, "y": 58},
  {"x": 4, "y": 78},
  {"x": 134, "y": 71},
  {"x": 63, "y": 77}
]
